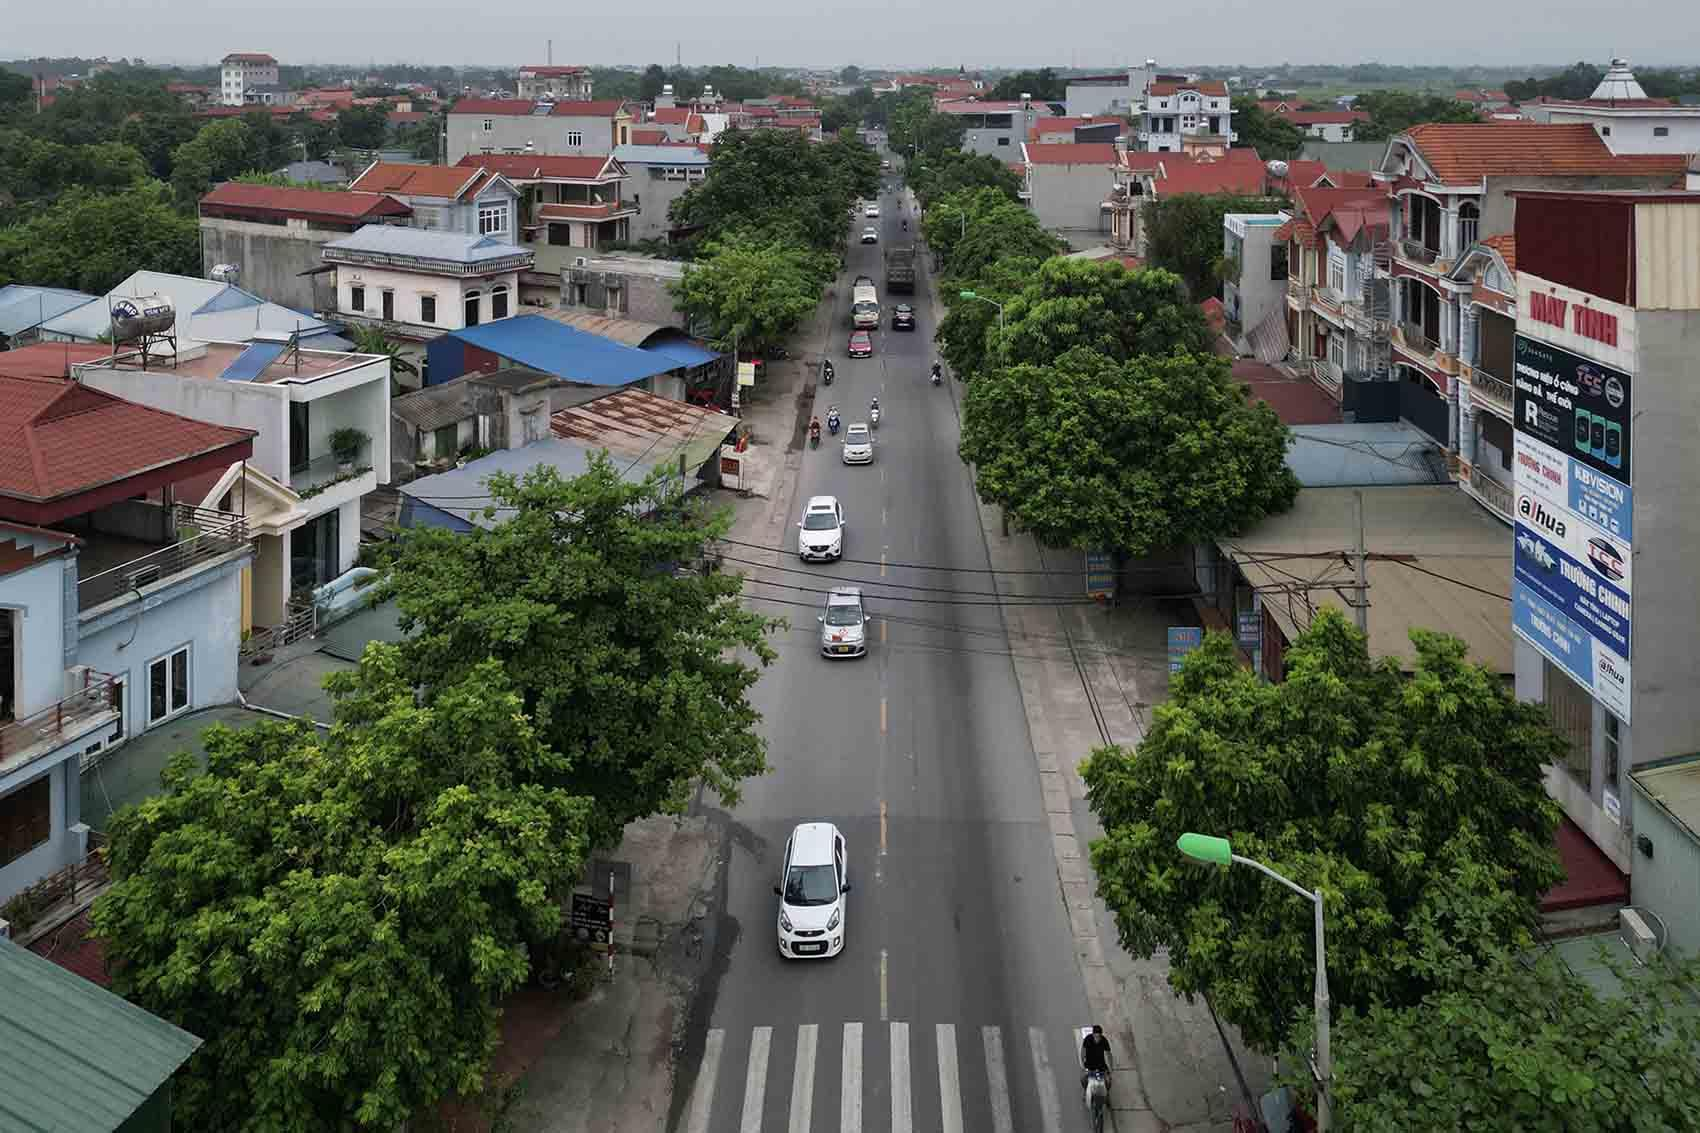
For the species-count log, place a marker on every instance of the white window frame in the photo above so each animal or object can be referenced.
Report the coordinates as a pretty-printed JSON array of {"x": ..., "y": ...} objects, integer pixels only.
[
  {"x": 1337, "y": 351},
  {"x": 492, "y": 220},
  {"x": 167, "y": 659},
  {"x": 575, "y": 137}
]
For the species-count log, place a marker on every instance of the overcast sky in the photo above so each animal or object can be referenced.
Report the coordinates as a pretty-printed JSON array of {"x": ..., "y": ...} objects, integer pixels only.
[{"x": 977, "y": 33}]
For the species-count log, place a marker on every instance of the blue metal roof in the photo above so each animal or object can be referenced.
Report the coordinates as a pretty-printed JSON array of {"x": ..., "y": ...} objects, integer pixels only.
[
  {"x": 683, "y": 351},
  {"x": 23, "y": 306},
  {"x": 1364, "y": 453},
  {"x": 230, "y": 299},
  {"x": 575, "y": 355},
  {"x": 252, "y": 361}
]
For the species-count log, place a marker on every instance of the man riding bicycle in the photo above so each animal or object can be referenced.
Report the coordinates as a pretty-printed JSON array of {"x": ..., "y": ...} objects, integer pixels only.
[{"x": 1095, "y": 1055}]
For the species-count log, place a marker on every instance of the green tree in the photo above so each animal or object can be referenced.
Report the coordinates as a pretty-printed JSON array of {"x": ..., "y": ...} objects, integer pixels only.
[
  {"x": 339, "y": 914},
  {"x": 1415, "y": 803},
  {"x": 35, "y": 169},
  {"x": 1102, "y": 306},
  {"x": 1183, "y": 234},
  {"x": 371, "y": 340},
  {"x": 654, "y": 78},
  {"x": 968, "y": 332},
  {"x": 1043, "y": 85},
  {"x": 15, "y": 89},
  {"x": 637, "y": 673},
  {"x": 1395, "y": 111},
  {"x": 951, "y": 172},
  {"x": 219, "y": 151},
  {"x": 850, "y": 75},
  {"x": 996, "y": 228},
  {"x": 1273, "y": 137},
  {"x": 772, "y": 181},
  {"x": 1526, "y": 1046},
  {"x": 1576, "y": 81},
  {"x": 363, "y": 127},
  {"x": 1138, "y": 455},
  {"x": 752, "y": 292},
  {"x": 92, "y": 241},
  {"x": 155, "y": 135}
]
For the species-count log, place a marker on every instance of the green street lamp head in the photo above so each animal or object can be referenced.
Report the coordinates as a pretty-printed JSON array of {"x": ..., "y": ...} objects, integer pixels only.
[
  {"x": 1205, "y": 848},
  {"x": 966, "y": 295}
]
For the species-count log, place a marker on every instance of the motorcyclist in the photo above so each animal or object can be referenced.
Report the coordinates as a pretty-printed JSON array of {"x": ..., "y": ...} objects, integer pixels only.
[
  {"x": 814, "y": 430},
  {"x": 905, "y": 224},
  {"x": 826, "y": 370},
  {"x": 1095, "y": 1055},
  {"x": 938, "y": 371},
  {"x": 832, "y": 420}
]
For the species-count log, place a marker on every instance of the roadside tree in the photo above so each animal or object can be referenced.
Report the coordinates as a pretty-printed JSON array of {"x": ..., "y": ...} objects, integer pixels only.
[
  {"x": 1183, "y": 234},
  {"x": 1103, "y": 306},
  {"x": 968, "y": 332},
  {"x": 751, "y": 292},
  {"x": 768, "y": 180},
  {"x": 1138, "y": 455},
  {"x": 1416, "y": 803},
  {"x": 941, "y": 177}
]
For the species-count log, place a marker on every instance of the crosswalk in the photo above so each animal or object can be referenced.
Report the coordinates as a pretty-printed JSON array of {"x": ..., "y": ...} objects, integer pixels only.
[{"x": 741, "y": 1081}]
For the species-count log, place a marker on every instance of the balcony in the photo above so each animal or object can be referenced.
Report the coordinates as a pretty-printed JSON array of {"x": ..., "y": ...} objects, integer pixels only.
[
  {"x": 1496, "y": 497},
  {"x": 1492, "y": 393},
  {"x": 92, "y": 705},
  {"x": 203, "y": 535},
  {"x": 1325, "y": 300},
  {"x": 1418, "y": 252},
  {"x": 1297, "y": 291},
  {"x": 1416, "y": 341},
  {"x": 608, "y": 210}
]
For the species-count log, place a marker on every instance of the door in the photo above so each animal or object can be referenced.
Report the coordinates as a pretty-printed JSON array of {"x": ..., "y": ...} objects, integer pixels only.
[{"x": 389, "y": 306}]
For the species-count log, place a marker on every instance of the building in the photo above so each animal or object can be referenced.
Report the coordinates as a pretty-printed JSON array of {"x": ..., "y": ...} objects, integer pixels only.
[
  {"x": 272, "y": 235},
  {"x": 1063, "y": 183},
  {"x": 243, "y": 74},
  {"x": 1255, "y": 287},
  {"x": 1113, "y": 95},
  {"x": 1141, "y": 175},
  {"x": 24, "y": 308},
  {"x": 1170, "y": 112},
  {"x": 1324, "y": 125},
  {"x": 676, "y": 123},
  {"x": 1605, "y": 611},
  {"x": 431, "y": 428},
  {"x": 470, "y": 200},
  {"x": 194, "y": 95},
  {"x": 320, "y": 173},
  {"x": 1667, "y": 833},
  {"x": 1337, "y": 309},
  {"x": 98, "y": 1063},
  {"x": 567, "y": 204},
  {"x": 120, "y": 603},
  {"x": 624, "y": 285},
  {"x": 659, "y": 175},
  {"x": 1624, "y": 117},
  {"x": 1086, "y": 128},
  {"x": 1483, "y": 102},
  {"x": 205, "y": 310},
  {"x": 553, "y": 83},
  {"x": 996, "y": 129},
  {"x": 519, "y": 125}
]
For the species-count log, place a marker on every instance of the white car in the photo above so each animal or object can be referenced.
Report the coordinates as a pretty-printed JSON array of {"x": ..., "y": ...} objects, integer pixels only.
[
  {"x": 843, "y": 624},
  {"x": 871, "y": 212},
  {"x": 859, "y": 444},
  {"x": 813, "y": 883},
  {"x": 870, "y": 235},
  {"x": 820, "y": 533}
]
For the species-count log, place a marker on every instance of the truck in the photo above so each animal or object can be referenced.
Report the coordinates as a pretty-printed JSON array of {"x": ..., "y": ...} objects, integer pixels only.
[
  {"x": 900, "y": 269},
  {"x": 864, "y": 305}
]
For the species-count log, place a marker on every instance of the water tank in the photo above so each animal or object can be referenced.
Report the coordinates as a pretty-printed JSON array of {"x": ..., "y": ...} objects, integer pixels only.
[
  {"x": 1277, "y": 169},
  {"x": 144, "y": 315},
  {"x": 225, "y": 273}
]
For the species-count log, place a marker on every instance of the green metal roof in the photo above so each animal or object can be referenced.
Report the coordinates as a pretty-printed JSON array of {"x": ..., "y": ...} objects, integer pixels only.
[{"x": 77, "y": 1056}]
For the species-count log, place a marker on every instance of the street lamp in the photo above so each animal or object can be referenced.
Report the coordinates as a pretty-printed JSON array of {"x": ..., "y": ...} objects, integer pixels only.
[
  {"x": 983, "y": 299},
  {"x": 1217, "y": 851}
]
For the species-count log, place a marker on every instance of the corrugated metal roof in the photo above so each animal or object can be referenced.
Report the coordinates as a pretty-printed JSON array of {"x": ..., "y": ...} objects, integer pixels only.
[
  {"x": 434, "y": 406},
  {"x": 462, "y": 492},
  {"x": 1362, "y": 454},
  {"x": 77, "y": 1056},
  {"x": 425, "y": 244},
  {"x": 207, "y": 310},
  {"x": 684, "y": 351},
  {"x": 681, "y": 154},
  {"x": 23, "y": 306},
  {"x": 564, "y": 351},
  {"x": 654, "y": 431},
  {"x": 631, "y": 332}
]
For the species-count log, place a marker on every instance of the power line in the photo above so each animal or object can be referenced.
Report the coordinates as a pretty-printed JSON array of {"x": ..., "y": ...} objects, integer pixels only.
[{"x": 1449, "y": 578}]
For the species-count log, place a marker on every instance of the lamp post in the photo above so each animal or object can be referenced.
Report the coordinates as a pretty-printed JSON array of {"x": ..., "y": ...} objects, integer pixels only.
[
  {"x": 1217, "y": 851},
  {"x": 983, "y": 299}
]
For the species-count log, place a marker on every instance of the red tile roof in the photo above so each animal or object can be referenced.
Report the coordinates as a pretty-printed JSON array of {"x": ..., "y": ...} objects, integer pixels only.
[
  {"x": 249, "y": 57},
  {"x": 538, "y": 166},
  {"x": 1283, "y": 234},
  {"x": 1296, "y": 401},
  {"x": 522, "y": 107},
  {"x": 1213, "y": 87},
  {"x": 274, "y": 201},
  {"x": 671, "y": 115},
  {"x": 1184, "y": 174},
  {"x": 1482, "y": 96},
  {"x": 550, "y": 72},
  {"x": 1070, "y": 153},
  {"x": 1506, "y": 245},
  {"x": 1302, "y": 174},
  {"x": 406, "y": 117},
  {"x": 49, "y": 359},
  {"x": 447, "y": 181},
  {"x": 1464, "y": 152},
  {"x": 59, "y": 439},
  {"x": 1324, "y": 117},
  {"x": 648, "y": 137}
]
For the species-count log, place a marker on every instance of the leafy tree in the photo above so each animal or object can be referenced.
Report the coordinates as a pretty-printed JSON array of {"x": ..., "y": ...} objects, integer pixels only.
[
  {"x": 1102, "y": 306},
  {"x": 92, "y": 241},
  {"x": 1183, "y": 234},
  {"x": 219, "y": 151},
  {"x": 953, "y": 171},
  {"x": 1135, "y": 455},
  {"x": 752, "y": 292},
  {"x": 654, "y": 78},
  {"x": 338, "y": 915},
  {"x": 155, "y": 134},
  {"x": 363, "y": 127},
  {"x": 14, "y": 89},
  {"x": 1395, "y": 111},
  {"x": 968, "y": 332},
  {"x": 772, "y": 181},
  {"x": 35, "y": 169},
  {"x": 1272, "y": 136},
  {"x": 1415, "y": 803},
  {"x": 1576, "y": 81},
  {"x": 996, "y": 227},
  {"x": 850, "y": 75},
  {"x": 1044, "y": 85},
  {"x": 371, "y": 340},
  {"x": 1526, "y": 1046},
  {"x": 634, "y": 671}
]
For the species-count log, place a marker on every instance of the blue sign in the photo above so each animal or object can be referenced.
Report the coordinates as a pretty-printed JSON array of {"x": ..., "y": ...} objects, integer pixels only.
[
  {"x": 1100, "y": 574},
  {"x": 1249, "y": 630},
  {"x": 1603, "y": 501},
  {"x": 1563, "y": 642},
  {"x": 1183, "y": 640},
  {"x": 1579, "y": 590}
]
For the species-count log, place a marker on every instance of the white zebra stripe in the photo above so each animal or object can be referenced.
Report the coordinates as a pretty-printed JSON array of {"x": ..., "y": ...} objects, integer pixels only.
[
  {"x": 997, "y": 1080},
  {"x": 755, "y": 1080},
  {"x": 950, "y": 1081},
  {"x": 850, "y": 1099},
  {"x": 902, "y": 1120},
  {"x": 803, "y": 1078},
  {"x": 1049, "y": 1108},
  {"x": 702, "y": 1094}
]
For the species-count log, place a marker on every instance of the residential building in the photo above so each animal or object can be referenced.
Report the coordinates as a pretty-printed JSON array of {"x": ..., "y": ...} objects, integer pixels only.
[
  {"x": 1112, "y": 95},
  {"x": 1485, "y": 281},
  {"x": 1483, "y": 102},
  {"x": 1141, "y": 175},
  {"x": 1255, "y": 286},
  {"x": 520, "y": 125},
  {"x": 294, "y": 402},
  {"x": 677, "y": 123},
  {"x": 1063, "y": 183},
  {"x": 659, "y": 174},
  {"x": 567, "y": 204},
  {"x": 120, "y": 605},
  {"x": 1337, "y": 309},
  {"x": 624, "y": 285},
  {"x": 272, "y": 235},
  {"x": 1667, "y": 833},
  {"x": 1606, "y": 531},
  {"x": 97, "y": 1063},
  {"x": 431, "y": 428},
  {"x": 204, "y": 310},
  {"x": 996, "y": 129},
  {"x": 1086, "y": 128},
  {"x": 470, "y": 200},
  {"x": 538, "y": 83},
  {"x": 415, "y": 284},
  {"x": 24, "y": 308},
  {"x": 321, "y": 173},
  {"x": 193, "y": 95},
  {"x": 242, "y": 74},
  {"x": 1624, "y": 117},
  {"x": 1172, "y": 111},
  {"x": 1324, "y": 125}
]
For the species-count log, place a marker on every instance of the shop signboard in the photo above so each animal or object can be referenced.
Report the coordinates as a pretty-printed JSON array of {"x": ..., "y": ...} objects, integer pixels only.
[{"x": 1573, "y": 405}]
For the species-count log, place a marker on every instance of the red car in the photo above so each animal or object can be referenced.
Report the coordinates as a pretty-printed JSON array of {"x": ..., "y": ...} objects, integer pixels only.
[{"x": 861, "y": 345}]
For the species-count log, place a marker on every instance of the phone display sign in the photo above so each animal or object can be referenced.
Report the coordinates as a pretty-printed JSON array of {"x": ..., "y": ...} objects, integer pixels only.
[{"x": 1574, "y": 405}]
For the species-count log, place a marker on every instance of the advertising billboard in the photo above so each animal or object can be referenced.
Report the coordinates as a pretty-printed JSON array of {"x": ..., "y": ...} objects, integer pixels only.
[{"x": 1573, "y": 405}]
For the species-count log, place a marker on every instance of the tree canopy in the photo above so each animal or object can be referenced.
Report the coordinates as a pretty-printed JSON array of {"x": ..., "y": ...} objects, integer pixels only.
[
  {"x": 968, "y": 331},
  {"x": 338, "y": 914},
  {"x": 1415, "y": 803},
  {"x": 752, "y": 291},
  {"x": 362, "y": 127},
  {"x": 1043, "y": 85},
  {"x": 1138, "y": 454},
  {"x": 637, "y": 673},
  {"x": 91, "y": 241},
  {"x": 1103, "y": 306},
  {"x": 775, "y": 181},
  {"x": 1394, "y": 111},
  {"x": 1273, "y": 137},
  {"x": 939, "y": 176},
  {"x": 1183, "y": 234}
]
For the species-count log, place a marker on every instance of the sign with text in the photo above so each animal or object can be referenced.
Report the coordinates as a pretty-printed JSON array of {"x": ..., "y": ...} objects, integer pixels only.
[
  {"x": 746, "y": 373},
  {"x": 1563, "y": 643},
  {"x": 1182, "y": 640},
  {"x": 1573, "y": 406},
  {"x": 592, "y": 917},
  {"x": 1566, "y": 484},
  {"x": 1100, "y": 574},
  {"x": 1592, "y": 590}
]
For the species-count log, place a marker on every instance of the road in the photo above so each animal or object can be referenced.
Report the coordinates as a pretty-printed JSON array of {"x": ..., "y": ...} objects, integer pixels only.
[{"x": 952, "y": 1005}]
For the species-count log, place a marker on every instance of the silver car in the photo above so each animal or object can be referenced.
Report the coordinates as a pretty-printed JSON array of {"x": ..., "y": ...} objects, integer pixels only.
[
  {"x": 843, "y": 625},
  {"x": 859, "y": 444}
]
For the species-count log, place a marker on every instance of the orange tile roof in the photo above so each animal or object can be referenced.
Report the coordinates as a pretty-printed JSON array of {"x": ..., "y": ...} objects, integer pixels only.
[
  {"x": 1506, "y": 245},
  {"x": 671, "y": 115},
  {"x": 1070, "y": 153},
  {"x": 539, "y": 166},
  {"x": 648, "y": 137},
  {"x": 1213, "y": 87},
  {"x": 449, "y": 181},
  {"x": 1184, "y": 174},
  {"x": 291, "y": 201},
  {"x": 1465, "y": 152}
]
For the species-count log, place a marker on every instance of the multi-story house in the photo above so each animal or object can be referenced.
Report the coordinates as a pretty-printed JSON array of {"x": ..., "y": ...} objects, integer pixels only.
[
  {"x": 1063, "y": 183},
  {"x": 1181, "y": 115},
  {"x": 1624, "y": 117},
  {"x": 659, "y": 174},
  {"x": 1138, "y": 176},
  {"x": 120, "y": 604},
  {"x": 677, "y": 123},
  {"x": 567, "y": 203},
  {"x": 521, "y": 125},
  {"x": 1337, "y": 309},
  {"x": 242, "y": 75},
  {"x": 1451, "y": 186},
  {"x": 470, "y": 200},
  {"x": 554, "y": 83},
  {"x": 996, "y": 129},
  {"x": 1254, "y": 289},
  {"x": 303, "y": 509}
]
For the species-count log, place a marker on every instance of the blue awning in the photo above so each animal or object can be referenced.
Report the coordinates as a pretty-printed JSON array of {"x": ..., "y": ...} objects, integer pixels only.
[
  {"x": 566, "y": 352},
  {"x": 683, "y": 351}
]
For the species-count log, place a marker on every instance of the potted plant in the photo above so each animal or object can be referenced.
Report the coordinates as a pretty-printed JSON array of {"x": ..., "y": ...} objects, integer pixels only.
[{"x": 346, "y": 444}]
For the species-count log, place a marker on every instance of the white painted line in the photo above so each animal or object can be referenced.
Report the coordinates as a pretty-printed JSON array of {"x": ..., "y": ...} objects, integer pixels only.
[
  {"x": 850, "y": 1101},
  {"x": 1049, "y": 1108},
  {"x": 997, "y": 1080},
  {"x": 950, "y": 1082},
  {"x": 901, "y": 1115},
  {"x": 884, "y": 1001},
  {"x": 702, "y": 1094},
  {"x": 755, "y": 1080},
  {"x": 803, "y": 1078}
]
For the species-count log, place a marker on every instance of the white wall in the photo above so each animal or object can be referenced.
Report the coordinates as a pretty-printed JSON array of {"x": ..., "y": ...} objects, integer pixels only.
[
  {"x": 60, "y": 849},
  {"x": 1634, "y": 133},
  {"x": 1068, "y": 198},
  {"x": 409, "y": 286},
  {"x": 36, "y": 595},
  {"x": 243, "y": 405}
]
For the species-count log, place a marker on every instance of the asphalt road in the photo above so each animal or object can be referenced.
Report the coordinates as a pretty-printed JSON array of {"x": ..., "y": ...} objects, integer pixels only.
[{"x": 953, "y": 1004}]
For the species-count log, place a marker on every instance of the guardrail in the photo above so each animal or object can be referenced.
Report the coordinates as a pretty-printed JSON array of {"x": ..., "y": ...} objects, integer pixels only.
[
  {"x": 215, "y": 533},
  {"x": 1418, "y": 252},
  {"x": 1492, "y": 493},
  {"x": 1497, "y": 392},
  {"x": 48, "y": 726}
]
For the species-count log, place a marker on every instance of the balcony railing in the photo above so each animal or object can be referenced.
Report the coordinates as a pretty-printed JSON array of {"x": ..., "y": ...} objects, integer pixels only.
[
  {"x": 212, "y": 533},
  {"x": 1418, "y": 252},
  {"x": 22, "y": 741},
  {"x": 1497, "y": 393},
  {"x": 1416, "y": 339},
  {"x": 1296, "y": 289},
  {"x": 327, "y": 468},
  {"x": 1495, "y": 495}
]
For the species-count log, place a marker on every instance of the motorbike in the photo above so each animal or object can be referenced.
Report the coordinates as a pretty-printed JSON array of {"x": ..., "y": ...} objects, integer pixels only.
[
  {"x": 832, "y": 423},
  {"x": 874, "y": 416},
  {"x": 826, "y": 373},
  {"x": 936, "y": 376},
  {"x": 1096, "y": 1088},
  {"x": 814, "y": 435}
]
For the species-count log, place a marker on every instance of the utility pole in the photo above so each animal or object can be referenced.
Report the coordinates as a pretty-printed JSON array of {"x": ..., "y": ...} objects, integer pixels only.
[{"x": 1362, "y": 555}]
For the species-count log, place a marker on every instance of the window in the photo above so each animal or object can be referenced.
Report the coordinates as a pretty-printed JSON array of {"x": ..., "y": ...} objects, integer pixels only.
[
  {"x": 1661, "y": 131},
  {"x": 168, "y": 685},
  {"x": 575, "y": 137},
  {"x": 386, "y": 305},
  {"x": 1571, "y": 710},
  {"x": 1277, "y": 261},
  {"x": 1337, "y": 274},
  {"x": 1613, "y": 751},
  {"x": 1003, "y": 141},
  {"x": 298, "y": 418},
  {"x": 357, "y": 298},
  {"x": 444, "y": 443},
  {"x": 426, "y": 216},
  {"x": 492, "y": 219},
  {"x": 1605, "y": 131},
  {"x": 26, "y": 819},
  {"x": 499, "y": 301},
  {"x": 471, "y": 308},
  {"x": 489, "y": 125},
  {"x": 561, "y": 235},
  {"x": 427, "y": 308},
  {"x": 1337, "y": 351}
]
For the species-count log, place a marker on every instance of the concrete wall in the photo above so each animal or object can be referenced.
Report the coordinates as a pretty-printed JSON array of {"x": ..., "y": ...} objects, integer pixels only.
[
  {"x": 409, "y": 287},
  {"x": 654, "y": 195},
  {"x": 1668, "y": 882},
  {"x": 244, "y": 405},
  {"x": 646, "y": 297},
  {"x": 1067, "y": 197},
  {"x": 1092, "y": 98},
  {"x": 271, "y": 257},
  {"x": 1254, "y": 295},
  {"x": 1625, "y": 133},
  {"x": 510, "y": 133},
  {"x": 35, "y": 597}
]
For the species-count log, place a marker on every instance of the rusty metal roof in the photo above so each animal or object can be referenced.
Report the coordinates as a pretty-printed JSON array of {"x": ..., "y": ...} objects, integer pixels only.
[
  {"x": 631, "y": 332},
  {"x": 641, "y": 426}
]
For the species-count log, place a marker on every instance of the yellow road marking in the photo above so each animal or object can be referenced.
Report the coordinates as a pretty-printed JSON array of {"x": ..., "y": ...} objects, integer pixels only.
[{"x": 882, "y": 715}]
